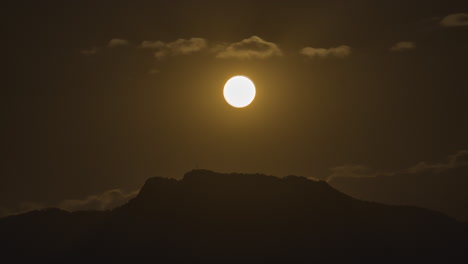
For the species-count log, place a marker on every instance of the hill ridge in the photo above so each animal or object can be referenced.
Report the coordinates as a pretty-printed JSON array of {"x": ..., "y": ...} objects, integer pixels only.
[{"x": 247, "y": 218}]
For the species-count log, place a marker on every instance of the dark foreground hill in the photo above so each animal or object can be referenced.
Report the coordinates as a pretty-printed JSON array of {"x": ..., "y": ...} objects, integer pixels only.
[{"x": 237, "y": 218}]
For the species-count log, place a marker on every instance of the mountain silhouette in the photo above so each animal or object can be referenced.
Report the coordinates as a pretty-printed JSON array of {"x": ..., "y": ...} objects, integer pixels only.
[{"x": 209, "y": 217}]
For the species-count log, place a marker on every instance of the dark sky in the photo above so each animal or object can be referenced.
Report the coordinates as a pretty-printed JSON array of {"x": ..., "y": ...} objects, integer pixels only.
[{"x": 87, "y": 106}]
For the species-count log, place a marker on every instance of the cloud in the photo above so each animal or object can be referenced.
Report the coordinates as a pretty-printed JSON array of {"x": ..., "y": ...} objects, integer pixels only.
[
  {"x": 253, "y": 47},
  {"x": 147, "y": 44},
  {"x": 177, "y": 47},
  {"x": 104, "y": 201},
  {"x": 340, "y": 52},
  {"x": 118, "y": 42},
  {"x": 457, "y": 160},
  {"x": 22, "y": 208},
  {"x": 112, "y": 43},
  {"x": 90, "y": 51},
  {"x": 455, "y": 20},
  {"x": 403, "y": 45},
  {"x": 314, "y": 179},
  {"x": 187, "y": 46},
  {"x": 107, "y": 200}
]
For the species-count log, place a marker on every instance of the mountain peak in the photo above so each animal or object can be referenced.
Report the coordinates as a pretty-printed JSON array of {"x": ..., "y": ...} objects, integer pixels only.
[
  {"x": 207, "y": 187},
  {"x": 209, "y": 181}
]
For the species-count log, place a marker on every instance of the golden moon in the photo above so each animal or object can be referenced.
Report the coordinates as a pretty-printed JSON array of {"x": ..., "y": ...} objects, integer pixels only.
[{"x": 239, "y": 91}]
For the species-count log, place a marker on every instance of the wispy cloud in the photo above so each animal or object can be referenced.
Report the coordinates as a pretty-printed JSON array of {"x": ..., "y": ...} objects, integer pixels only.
[
  {"x": 104, "y": 201},
  {"x": 253, "y": 47},
  {"x": 403, "y": 46},
  {"x": 339, "y": 52},
  {"x": 21, "y": 208},
  {"x": 455, "y": 20},
  {"x": 107, "y": 200},
  {"x": 148, "y": 44},
  {"x": 118, "y": 42},
  {"x": 457, "y": 160},
  {"x": 177, "y": 47},
  {"x": 89, "y": 52}
]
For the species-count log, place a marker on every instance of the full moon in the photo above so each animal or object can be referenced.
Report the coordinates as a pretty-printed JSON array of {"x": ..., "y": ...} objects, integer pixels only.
[{"x": 239, "y": 91}]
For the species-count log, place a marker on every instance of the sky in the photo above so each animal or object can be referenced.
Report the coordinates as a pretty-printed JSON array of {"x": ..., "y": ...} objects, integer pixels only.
[{"x": 98, "y": 96}]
